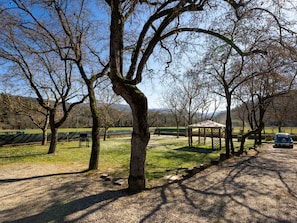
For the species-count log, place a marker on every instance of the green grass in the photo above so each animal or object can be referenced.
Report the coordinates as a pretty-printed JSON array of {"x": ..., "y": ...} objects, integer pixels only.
[{"x": 165, "y": 155}]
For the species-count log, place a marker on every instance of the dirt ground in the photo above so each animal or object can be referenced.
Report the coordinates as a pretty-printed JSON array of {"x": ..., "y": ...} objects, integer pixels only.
[{"x": 258, "y": 187}]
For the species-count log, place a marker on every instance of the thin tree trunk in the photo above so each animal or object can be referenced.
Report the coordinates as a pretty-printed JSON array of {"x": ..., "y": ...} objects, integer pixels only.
[
  {"x": 105, "y": 133},
  {"x": 228, "y": 131},
  {"x": 44, "y": 129},
  {"x": 54, "y": 133},
  {"x": 54, "y": 140},
  {"x": 44, "y": 137},
  {"x": 95, "y": 151},
  {"x": 243, "y": 139}
]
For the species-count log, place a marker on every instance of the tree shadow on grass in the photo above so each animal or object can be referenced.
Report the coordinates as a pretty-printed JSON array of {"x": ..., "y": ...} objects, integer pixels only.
[
  {"x": 11, "y": 180},
  {"x": 29, "y": 155},
  {"x": 213, "y": 196},
  {"x": 195, "y": 150}
]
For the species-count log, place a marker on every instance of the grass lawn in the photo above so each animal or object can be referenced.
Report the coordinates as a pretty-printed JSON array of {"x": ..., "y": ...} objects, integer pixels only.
[{"x": 165, "y": 155}]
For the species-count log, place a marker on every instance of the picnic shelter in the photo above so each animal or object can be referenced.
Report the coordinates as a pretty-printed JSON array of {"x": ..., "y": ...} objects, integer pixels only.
[{"x": 204, "y": 129}]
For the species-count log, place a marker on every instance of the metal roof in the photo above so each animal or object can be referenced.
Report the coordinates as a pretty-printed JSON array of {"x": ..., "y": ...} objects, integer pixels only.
[{"x": 207, "y": 124}]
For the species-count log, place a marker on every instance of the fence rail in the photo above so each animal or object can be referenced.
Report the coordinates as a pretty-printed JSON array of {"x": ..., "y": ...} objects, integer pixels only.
[{"x": 22, "y": 138}]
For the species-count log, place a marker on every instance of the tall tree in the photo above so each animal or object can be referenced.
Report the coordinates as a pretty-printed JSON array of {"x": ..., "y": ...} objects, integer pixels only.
[
  {"x": 52, "y": 81},
  {"x": 65, "y": 30},
  {"x": 173, "y": 99},
  {"x": 275, "y": 78},
  {"x": 107, "y": 99},
  {"x": 72, "y": 31},
  {"x": 162, "y": 21}
]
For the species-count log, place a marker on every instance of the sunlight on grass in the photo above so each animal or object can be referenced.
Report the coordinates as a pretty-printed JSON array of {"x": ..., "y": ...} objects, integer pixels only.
[
  {"x": 171, "y": 155},
  {"x": 165, "y": 155}
]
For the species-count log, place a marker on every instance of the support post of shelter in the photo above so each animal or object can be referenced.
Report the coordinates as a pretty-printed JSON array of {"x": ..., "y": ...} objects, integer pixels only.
[
  {"x": 204, "y": 136},
  {"x": 215, "y": 131},
  {"x": 220, "y": 139},
  {"x": 211, "y": 132}
]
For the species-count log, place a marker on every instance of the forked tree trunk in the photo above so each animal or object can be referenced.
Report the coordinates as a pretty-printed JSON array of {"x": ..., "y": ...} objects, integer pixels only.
[{"x": 133, "y": 96}]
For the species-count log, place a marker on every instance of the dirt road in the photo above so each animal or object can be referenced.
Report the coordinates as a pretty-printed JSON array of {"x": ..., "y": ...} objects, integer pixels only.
[{"x": 258, "y": 187}]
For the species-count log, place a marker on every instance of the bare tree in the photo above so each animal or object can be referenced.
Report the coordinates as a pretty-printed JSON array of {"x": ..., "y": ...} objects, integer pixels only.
[
  {"x": 131, "y": 44},
  {"x": 107, "y": 99},
  {"x": 28, "y": 107},
  {"x": 67, "y": 33},
  {"x": 52, "y": 82},
  {"x": 280, "y": 109},
  {"x": 276, "y": 76},
  {"x": 163, "y": 21},
  {"x": 173, "y": 99},
  {"x": 189, "y": 98}
]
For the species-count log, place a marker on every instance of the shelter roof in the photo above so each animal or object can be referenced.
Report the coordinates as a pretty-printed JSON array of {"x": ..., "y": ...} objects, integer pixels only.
[{"x": 207, "y": 124}]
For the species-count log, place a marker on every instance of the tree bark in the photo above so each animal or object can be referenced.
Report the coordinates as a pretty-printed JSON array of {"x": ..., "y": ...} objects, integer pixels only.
[
  {"x": 140, "y": 135},
  {"x": 44, "y": 129},
  {"x": 139, "y": 141},
  {"x": 243, "y": 139},
  {"x": 229, "y": 141},
  {"x": 133, "y": 96},
  {"x": 105, "y": 133},
  {"x": 94, "y": 158},
  {"x": 54, "y": 133},
  {"x": 44, "y": 137}
]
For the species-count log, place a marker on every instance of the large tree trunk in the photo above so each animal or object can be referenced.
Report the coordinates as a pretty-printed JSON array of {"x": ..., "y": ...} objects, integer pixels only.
[
  {"x": 133, "y": 96},
  {"x": 140, "y": 135},
  {"x": 139, "y": 141}
]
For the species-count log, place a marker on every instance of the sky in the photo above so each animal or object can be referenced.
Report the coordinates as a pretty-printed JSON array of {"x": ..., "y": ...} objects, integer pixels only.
[{"x": 153, "y": 89}]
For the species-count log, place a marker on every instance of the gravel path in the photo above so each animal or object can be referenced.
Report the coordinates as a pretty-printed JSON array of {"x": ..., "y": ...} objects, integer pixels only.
[{"x": 258, "y": 187}]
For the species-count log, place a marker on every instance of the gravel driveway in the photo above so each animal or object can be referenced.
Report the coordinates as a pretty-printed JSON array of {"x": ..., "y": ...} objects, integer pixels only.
[{"x": 258, "y": 187}]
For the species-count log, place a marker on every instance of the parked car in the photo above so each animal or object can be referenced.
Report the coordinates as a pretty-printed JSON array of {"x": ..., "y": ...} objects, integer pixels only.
[{"x": 283, "y": 140}]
